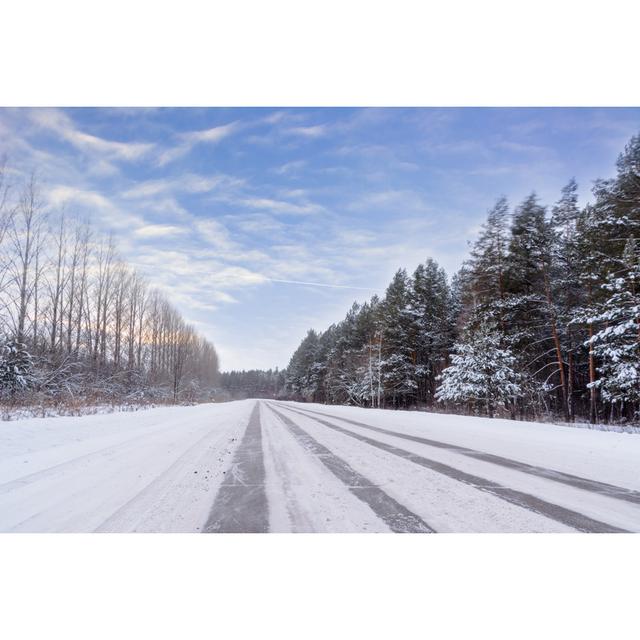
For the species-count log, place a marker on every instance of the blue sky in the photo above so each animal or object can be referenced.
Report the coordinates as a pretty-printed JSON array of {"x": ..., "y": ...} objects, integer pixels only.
[{"x": 262, "y": 223}]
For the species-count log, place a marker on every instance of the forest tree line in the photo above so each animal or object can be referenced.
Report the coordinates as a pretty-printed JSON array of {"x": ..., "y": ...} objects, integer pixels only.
[
  {"x": 77, "y": 323},
  {"x": 543, "y": 319},
  {"x": 254, "y": 383}
]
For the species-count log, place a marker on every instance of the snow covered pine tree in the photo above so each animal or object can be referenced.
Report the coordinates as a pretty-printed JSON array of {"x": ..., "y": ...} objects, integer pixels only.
[
  {"x": 617, "y": 345},
  {"x": 481, "y": 373}
]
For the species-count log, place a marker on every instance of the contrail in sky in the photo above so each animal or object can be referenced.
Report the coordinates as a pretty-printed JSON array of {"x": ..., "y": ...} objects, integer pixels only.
[{"x": 322, "y": 284}]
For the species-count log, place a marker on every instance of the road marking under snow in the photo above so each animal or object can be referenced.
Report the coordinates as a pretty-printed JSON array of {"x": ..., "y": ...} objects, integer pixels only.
[
  {"x": 568, "y": 517},
  {"x": 241, "y": 504},
  {"x": 603, "y": 488},
  {"x": 395, "y": 515}
]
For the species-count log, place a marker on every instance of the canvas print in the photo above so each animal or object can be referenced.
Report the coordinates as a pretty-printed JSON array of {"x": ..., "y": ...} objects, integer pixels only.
[{"x": 328, "y": 320}]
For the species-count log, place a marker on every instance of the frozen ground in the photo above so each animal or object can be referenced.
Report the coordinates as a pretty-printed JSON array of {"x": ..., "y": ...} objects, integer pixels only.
[{"x": 281, "y": 466}]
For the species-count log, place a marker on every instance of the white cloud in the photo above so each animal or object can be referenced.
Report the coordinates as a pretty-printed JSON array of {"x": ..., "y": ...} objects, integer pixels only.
[
  {"x": 315, "y": 131},
  {"x": 289, "y": 168},
  {"x": 91, "y": 202},
  {"x": 59, "y": 123},
  {"x": 321, "y": 284},
  {"x": 394, "y": 200},
  {"x": 63, "y": 194},
  {"x": 167, "y": 206},
  {"x": 236, "y": 276},
  {"x": 192, "y": 138},
  {"x": 147, "y": 189},
  {"x": 159, "y": 231},
  {"x": 519, "y": 147},
  {"x": 275, "y": 117},
  {"x": 213, "y": 135},
  {"x": 102, "y": 168},
  {"x": 186, "y": 183},
  {"x": 215, "y": 235},
  {"x": 257, "y": 223},
  {"x": 203, "y": 184},
  {"x": 282, "y": 206}
]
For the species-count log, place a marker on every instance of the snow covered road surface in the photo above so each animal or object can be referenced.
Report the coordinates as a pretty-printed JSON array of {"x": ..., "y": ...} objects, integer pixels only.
[
  {"x": 397, "y": 517},
  {"x": 155, "y": 470},
  {"x": 241, "y": 504},
  {"x": 256, "y": 466}
]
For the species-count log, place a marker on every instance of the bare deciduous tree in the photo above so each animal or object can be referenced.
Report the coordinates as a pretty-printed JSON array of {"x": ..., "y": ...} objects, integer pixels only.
[{"x": 92, "y": 323}]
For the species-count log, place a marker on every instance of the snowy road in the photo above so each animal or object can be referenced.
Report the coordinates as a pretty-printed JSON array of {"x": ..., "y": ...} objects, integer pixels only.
[{"x": 257, "y": 466}]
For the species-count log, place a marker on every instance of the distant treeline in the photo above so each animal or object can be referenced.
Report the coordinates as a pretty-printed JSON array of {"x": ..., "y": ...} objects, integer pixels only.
[
  {"x": 236, "y": 385},
  {"x": 78, "y": 324},
  {"x": 542, "y": 319}
]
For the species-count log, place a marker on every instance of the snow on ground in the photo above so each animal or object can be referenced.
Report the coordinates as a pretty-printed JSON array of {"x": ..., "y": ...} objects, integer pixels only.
[
  {"x": 304, "y": 495},
  {"x": 8, "y": 413},
  {"x": 602, "y": 455},
  {"x": 463, "y": 508},
  {"x": 447, "y": 505},
  {"x": 156, "y": 470},
  {"x": 161, "y": 470}
]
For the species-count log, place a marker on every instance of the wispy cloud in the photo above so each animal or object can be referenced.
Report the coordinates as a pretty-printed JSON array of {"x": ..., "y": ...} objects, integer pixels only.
[
  {"x": 186, "y": 141},
  {"x": 95, "y": 205},
  {"x": 289, "y": 168},
  {"x": 184, "y": 183},
  {"x": 282, "y": 206},
  {"x": 520, "y": 147},
  {"x": 212, "y": 135},
  {"x": 59, "y": 123},
  {"x": 315, "y": 131},
  {"x": 62, "y": 194},
  {"x": 256, "y": 223},
  {"x": 159, "y": 231},
  {"x": 257, "y": 242},
  {"x": 396, "y": 200},
  {"x": 322, "y": 284},
  {"x": 216, "y": 235}
]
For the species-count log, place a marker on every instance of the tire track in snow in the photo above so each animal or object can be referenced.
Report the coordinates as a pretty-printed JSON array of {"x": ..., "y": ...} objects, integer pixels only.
[
  {"x": 241, "y": 503},
  {"x": 174, "y": 483},
  {"x": 566, "y": 516},
  {"x": 594, "y": 486},
  {"x": 395, "y": 515}
]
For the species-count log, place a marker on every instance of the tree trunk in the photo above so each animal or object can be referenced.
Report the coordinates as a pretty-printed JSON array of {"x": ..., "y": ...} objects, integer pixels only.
[
  {"x": 558, "y": 348},
  {"x": 593, "y": 408}
]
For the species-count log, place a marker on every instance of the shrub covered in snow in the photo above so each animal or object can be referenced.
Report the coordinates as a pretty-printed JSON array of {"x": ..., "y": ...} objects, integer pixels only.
[{"x": 16, "y": 368}]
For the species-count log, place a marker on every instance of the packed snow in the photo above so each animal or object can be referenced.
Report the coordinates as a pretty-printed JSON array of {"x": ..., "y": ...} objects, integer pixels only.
[{"x": 322, "y": 469}]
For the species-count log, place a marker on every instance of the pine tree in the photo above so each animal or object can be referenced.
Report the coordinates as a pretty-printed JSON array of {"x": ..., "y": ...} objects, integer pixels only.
[
  {"x": 527, "y": 247},
  {"x": 431, "y": 331},
  {"x": 550, "y": 305},
  {"x": 617, "y": 204},
  {"x": 488, "y": 258},
  {"x": 300, "y": 370},
  {"x": 617, "y": 344},
  {"x": 343, "y": 355},
  {"x": 319, "y": 369},
  {"x": 482, "y": 373},
  {"x": 398, "y": 352},
  {"x": 564, "y": 287},
  {"x": 604, "y": 229},
  {"x": 531, "y": 314}
]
